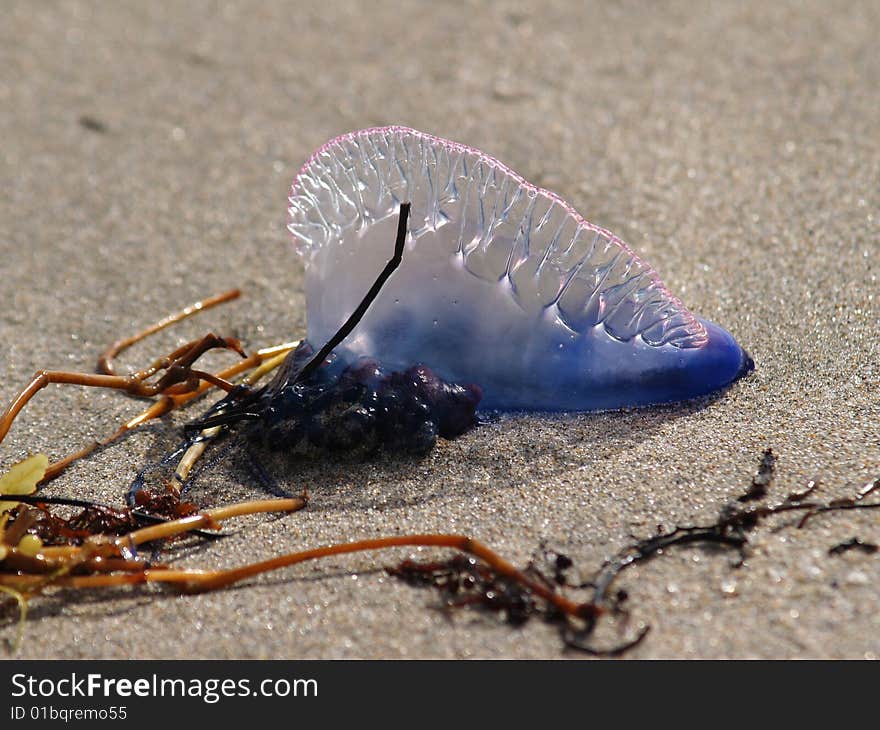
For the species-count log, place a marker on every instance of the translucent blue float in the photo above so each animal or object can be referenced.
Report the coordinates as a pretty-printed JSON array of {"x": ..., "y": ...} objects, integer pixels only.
[{"x": 502, "y": 284}]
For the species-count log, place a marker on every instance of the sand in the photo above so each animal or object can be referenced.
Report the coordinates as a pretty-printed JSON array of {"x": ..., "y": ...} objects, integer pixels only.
[{"x": 146, "y": 155}]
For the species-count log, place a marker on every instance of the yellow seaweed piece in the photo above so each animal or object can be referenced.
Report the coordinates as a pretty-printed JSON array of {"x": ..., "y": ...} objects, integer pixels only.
[
  {"x": 22, "y": 478},
  {"x": 30, "y": 545}
]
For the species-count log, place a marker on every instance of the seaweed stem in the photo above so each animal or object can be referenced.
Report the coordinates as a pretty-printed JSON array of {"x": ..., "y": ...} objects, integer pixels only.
[{"x": 105, "y": 361}]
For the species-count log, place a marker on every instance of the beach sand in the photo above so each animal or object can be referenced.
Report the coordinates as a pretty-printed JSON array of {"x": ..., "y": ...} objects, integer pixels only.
[{"x": 146, "y": 155}]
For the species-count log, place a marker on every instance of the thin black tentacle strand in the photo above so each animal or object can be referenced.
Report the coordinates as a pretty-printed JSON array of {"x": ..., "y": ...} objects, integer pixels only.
[
  {"x": 235, "y": 405},
  {"x": 362, "y": 308}
]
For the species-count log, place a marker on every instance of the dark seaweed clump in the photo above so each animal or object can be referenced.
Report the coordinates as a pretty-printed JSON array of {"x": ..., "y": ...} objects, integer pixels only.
[
  {"x": 361, "y": 407},
  {"x": 464, "y": 581}
]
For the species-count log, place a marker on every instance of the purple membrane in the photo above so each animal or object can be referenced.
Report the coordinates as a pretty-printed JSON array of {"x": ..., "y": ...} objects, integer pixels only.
[{"x": 502, "y": 284}]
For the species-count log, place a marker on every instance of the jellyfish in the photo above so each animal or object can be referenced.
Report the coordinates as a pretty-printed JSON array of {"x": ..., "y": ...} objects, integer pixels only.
[{"x": 501, "y": 284}]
